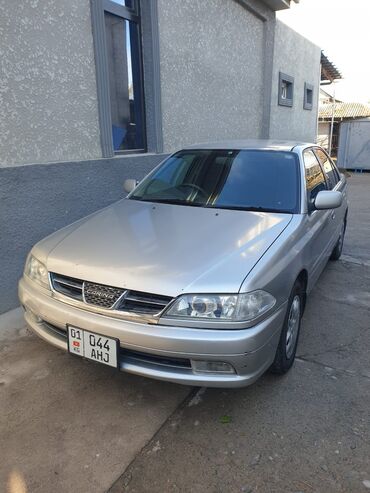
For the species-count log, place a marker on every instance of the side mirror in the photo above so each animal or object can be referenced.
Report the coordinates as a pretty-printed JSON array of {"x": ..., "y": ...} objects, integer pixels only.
[
  {"x": 129, "y": 185},
  {"x": 328, "y": 199}
]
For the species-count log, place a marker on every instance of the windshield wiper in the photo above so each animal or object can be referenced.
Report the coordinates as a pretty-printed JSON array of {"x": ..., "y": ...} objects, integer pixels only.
[
  {"x": 168, "y": 201},
  {"x": 251, "y": 209},
  {"x": 215, "y": 206}
]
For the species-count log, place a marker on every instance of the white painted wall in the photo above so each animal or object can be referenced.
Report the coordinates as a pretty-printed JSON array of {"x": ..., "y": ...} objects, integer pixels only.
[{"x": 323, "y": 135}]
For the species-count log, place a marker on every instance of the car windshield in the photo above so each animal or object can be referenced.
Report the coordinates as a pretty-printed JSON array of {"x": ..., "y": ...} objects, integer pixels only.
[{"x": 256, "y": 180}]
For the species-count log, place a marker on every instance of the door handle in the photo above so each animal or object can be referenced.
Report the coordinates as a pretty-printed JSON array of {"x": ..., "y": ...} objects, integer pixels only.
[{"x": 333, "y": 215}]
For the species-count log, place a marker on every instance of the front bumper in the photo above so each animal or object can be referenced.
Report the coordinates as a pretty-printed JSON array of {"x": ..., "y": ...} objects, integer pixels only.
[{"x": 148, "y": 350}]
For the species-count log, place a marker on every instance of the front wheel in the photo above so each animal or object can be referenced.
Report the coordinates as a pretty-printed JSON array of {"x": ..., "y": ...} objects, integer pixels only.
[{"x": 287, "y": 347}]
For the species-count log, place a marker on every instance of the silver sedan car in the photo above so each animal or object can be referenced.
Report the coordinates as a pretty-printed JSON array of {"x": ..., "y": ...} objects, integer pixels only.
[{"x": 200, "y": 275}]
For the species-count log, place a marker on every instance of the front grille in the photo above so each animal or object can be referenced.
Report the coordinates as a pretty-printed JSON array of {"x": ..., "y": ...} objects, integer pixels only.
[
  {"x": 100, "y": 295},
  {"x": 68, "y": 286},
  {"x": 55, "y": 330},
  {"x": 153, "y": 359},
  {"x": 109, "y": 296},
  {"x": 138, "y": 302}
]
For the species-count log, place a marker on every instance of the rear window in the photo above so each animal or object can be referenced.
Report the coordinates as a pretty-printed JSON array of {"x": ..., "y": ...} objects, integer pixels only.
[{"x": 231, "y": 179}]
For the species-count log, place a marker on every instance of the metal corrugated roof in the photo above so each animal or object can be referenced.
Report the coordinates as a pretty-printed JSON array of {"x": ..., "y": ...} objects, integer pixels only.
[
  {"x": 329, "y": 71},
  {"x": 344, "y": 110}
]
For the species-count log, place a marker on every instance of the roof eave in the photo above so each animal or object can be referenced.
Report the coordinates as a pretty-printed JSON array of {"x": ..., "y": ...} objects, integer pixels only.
[
  {"x": 329, "y": 72},
  {"x": 279, "y": 4}
]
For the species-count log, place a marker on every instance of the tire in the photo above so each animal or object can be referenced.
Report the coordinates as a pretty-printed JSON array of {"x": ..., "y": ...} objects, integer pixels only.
[
  {"x": 285, "y": 353},
  {"x": 337, "y": 252}
]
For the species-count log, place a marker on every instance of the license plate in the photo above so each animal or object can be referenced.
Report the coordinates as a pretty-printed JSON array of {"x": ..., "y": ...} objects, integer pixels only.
[{"x": 93, "y": 346}]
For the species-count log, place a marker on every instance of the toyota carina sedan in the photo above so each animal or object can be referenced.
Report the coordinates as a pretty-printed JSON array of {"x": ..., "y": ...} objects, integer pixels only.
[{"x": 200, "y": 275}]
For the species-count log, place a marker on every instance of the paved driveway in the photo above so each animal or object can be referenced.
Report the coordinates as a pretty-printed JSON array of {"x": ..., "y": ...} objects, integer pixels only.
[{"x": 72, "y": 426}]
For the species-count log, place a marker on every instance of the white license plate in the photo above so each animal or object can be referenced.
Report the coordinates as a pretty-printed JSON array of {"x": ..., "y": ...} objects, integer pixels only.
[{"x": 93, "y": 346}]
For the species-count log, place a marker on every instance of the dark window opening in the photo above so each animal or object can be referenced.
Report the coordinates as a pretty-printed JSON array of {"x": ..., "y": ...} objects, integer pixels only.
[
  {"x": 286, "y": 90},
  {"x": 308, "y": 97},
  {"x": 124, "y": 76}
]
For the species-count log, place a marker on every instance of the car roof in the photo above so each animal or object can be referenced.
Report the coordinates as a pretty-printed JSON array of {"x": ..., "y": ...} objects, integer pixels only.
[{"x": 280, "y": 145}]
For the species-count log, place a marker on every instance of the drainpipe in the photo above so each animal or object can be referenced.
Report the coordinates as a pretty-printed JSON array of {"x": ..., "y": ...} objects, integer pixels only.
[{"x": 332, "y": 122}]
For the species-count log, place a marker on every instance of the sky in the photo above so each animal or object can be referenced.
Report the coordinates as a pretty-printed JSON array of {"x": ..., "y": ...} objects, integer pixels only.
[{"x": 342, "y": 29}]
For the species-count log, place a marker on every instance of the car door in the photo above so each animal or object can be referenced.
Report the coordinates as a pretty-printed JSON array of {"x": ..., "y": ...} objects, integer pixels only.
[
  {"x": 318, "y": 221},
  {"x": 334, "y": 183}
]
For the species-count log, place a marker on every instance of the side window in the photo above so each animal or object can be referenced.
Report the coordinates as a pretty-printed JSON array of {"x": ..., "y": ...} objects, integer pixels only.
[
  {"x": 329, "y": 169},
  {"x": 315, "y": 179}
]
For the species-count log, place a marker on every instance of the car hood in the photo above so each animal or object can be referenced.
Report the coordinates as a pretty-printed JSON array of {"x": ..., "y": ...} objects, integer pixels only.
[{"x": 162, "y": 248}]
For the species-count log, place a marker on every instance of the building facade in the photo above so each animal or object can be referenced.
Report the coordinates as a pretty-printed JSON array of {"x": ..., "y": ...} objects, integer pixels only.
[{"x": 96, "y": 91}]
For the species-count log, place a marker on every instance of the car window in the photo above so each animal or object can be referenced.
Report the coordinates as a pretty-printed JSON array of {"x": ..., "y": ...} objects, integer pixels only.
[
  {"x": 265, "y": 180},
  {"x": 329, "y": 169},
  {"x": 315, "y": 179},
  {"x": 171, "y": 174}
]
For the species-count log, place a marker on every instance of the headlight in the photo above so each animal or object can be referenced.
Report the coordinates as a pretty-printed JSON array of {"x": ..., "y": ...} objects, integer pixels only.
[
  {"x": 226, "y": 307},
  {"x": 36, "y": 271}
]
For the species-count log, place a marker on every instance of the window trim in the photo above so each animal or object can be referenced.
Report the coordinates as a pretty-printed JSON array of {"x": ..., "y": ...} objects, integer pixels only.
[
  {"x": 288, "y": 102},
  {"x": 98, "y": 9},
  {"x": 129, "y": 13},
  {"x": 306, "y": 104}
]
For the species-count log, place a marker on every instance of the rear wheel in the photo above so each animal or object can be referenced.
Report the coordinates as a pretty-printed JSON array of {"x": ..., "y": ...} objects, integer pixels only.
[
  {"x": 337, "y": 252},
  {"x": 287, "y": 347}
]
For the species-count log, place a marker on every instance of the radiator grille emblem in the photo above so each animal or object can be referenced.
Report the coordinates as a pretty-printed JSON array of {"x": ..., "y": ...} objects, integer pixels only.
[{"x": 100, "y": 295}]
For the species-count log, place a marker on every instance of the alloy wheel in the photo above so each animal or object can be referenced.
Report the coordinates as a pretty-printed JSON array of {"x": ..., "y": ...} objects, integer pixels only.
[{"x": 293, "y": 326}]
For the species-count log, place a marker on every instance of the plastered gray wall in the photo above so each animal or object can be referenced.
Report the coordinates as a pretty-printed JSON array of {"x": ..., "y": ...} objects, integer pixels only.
[
  {"x": 47, "y": 86},
  {"x": 212, "y": 70},
  {"x": 37, "y": 200},
  {"x": 294, "y": 55}
]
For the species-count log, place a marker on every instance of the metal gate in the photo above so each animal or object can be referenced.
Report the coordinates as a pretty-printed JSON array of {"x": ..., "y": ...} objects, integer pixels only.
[{"x": 354, "y": 145}]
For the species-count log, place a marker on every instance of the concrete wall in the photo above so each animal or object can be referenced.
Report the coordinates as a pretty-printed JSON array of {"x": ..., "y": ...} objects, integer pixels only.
[
  {"x": 323, "y": 134},
  {"x": 37, "y": 200},
  {"x": 212, "y": 70},
  {"x": 294, "y": 55},
  {"x": 47, "y": 86}
]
